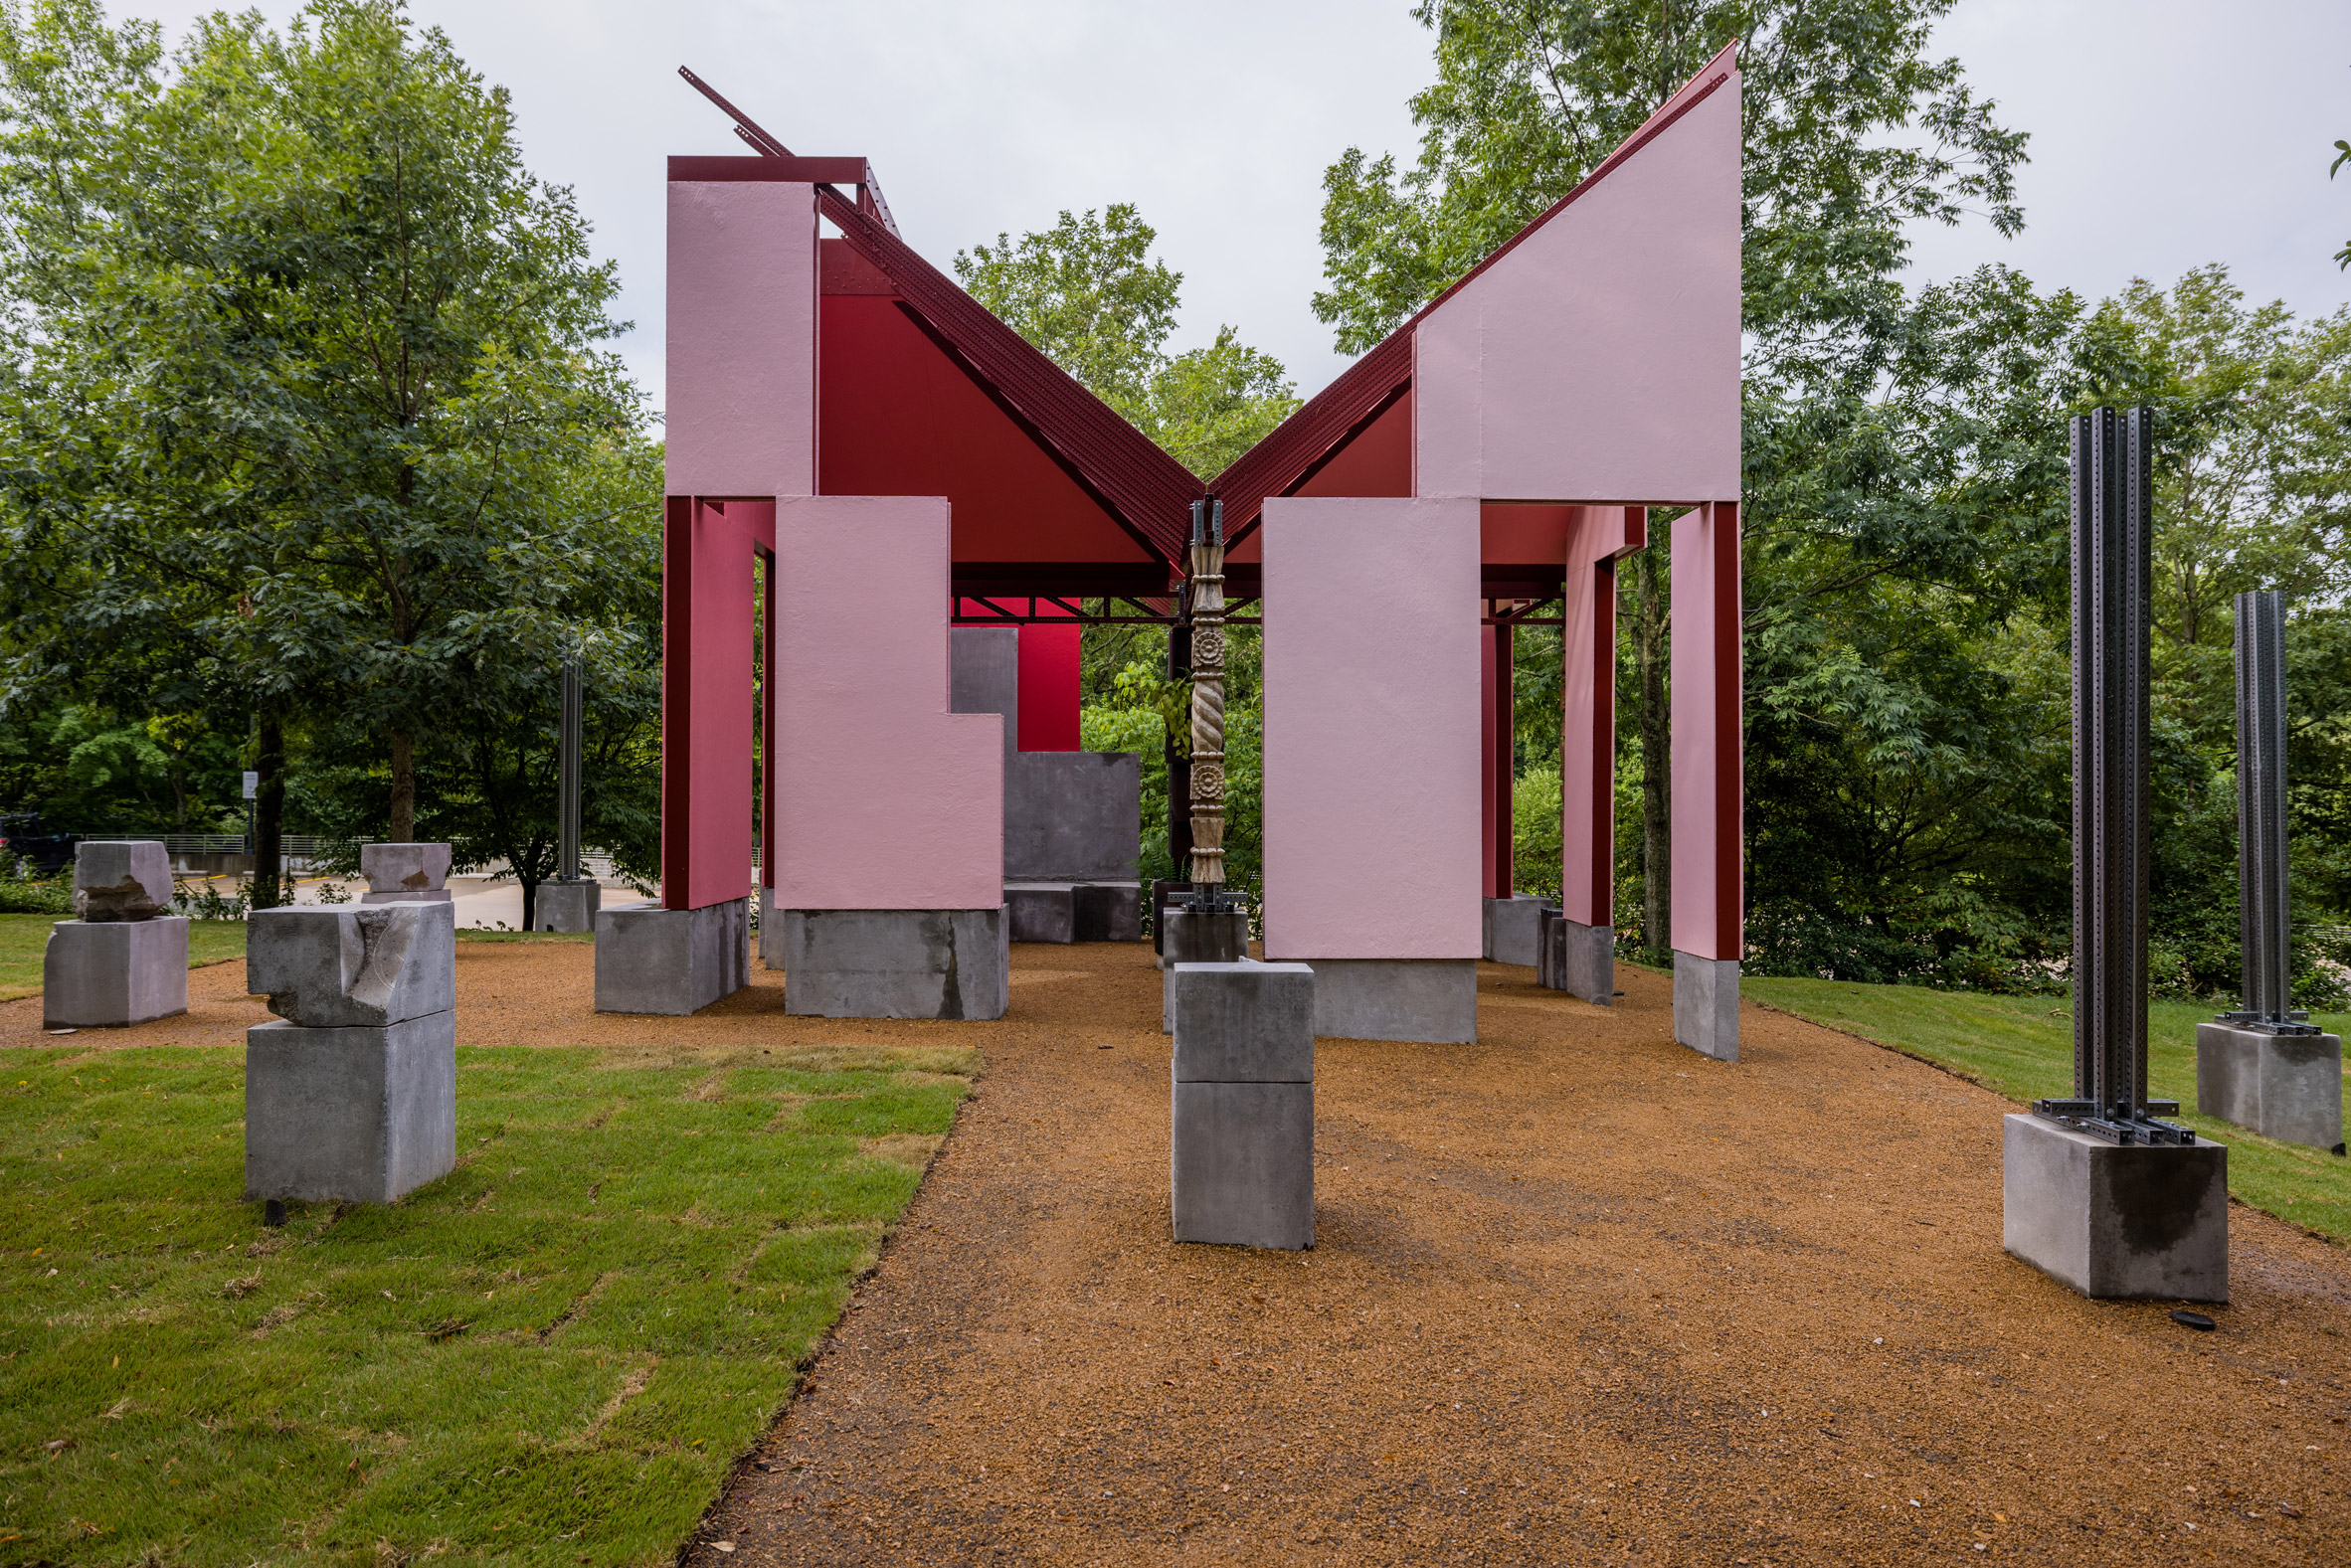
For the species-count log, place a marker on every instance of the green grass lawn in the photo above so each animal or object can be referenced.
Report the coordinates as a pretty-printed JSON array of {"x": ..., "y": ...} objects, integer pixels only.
[
  {"x": 2023, "y": 1047},
  {"x": 24, "y": 937},
  {"x": 551, "y": 1355}
]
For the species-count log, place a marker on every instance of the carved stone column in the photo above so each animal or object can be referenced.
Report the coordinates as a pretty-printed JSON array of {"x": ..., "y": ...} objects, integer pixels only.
[{"x": 1208, "y": 701}]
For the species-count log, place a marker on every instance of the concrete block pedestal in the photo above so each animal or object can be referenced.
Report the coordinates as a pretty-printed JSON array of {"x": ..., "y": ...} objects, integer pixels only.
[
  {"x": 2288, "y": 1086},
  {"x": 894, "y": 962},
  {"x": 1430, "y": 1000},
  {"x": 1514, "y": 929},
  {"x": 354, "y": 1114},
  {"x": 2117, "y": 1220},
  {"x": 1064, "y": 911},
  {"x": 1705, "y": 1005},
  {"x": 672, "y": 961},
  {"x": 568, "y": 905},
  {"x": 110, "y": 974},
  {"x": 1242, "y": 1168},
  {"x": 1577, "y": 958},
  {"x": 1189, "y": 937}
]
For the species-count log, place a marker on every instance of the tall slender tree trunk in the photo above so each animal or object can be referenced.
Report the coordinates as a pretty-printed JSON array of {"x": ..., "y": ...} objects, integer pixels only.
[
  {"x": 1657, "y": 841},
  {"x": 269, "y": 814},
  {"x": 403, "y": 827}
]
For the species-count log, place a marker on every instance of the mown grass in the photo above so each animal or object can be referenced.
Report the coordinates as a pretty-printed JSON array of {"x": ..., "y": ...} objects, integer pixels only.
[
  {"x": 2023, "y": 1047},
  {"x": 551, "y": 1355},
  {"x": 23, "y": 938}
]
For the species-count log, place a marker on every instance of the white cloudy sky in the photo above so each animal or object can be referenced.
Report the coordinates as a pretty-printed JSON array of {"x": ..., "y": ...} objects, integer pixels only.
[{"x": 2165, "y": 133}]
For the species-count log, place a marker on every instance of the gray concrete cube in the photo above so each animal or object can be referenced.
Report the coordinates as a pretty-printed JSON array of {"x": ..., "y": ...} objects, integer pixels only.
[
  {"x": 335, "y": 966},
  {"x": 2116, "y": 1221},
  {"x": 1512, "y": 928},
  {"x": 1243, "y": 1023},
  {"x": 1430, "y": 1000},
  {"x": 568, "y": 905},
  {"x": 1577, "y": 958},
  {"x": 896, "y": 963},
  {"x": 1705, "y": 1005},
  {"x": 122, "y": 881},
  {"x": 404, "y": 873},
  {"x": 1193, "y": 937},
  {"x": 358, "y": 1116},
  {"x": 2289, "y": 1087},
  {"x": 672, "y": 961},
  {"x": 1108, "y": 910},
  {"x": 1041, "y": 911},
  {"x": 113, "y": 973},
  {"x": 1241, "y": 1167}
]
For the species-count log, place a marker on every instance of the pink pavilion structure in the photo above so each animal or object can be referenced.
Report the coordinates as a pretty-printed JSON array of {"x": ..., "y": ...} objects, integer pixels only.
[{"x": 861, "y": 459}]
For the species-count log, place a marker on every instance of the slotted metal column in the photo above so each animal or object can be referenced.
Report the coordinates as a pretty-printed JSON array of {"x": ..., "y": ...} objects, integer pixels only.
[
  {"x": 2265, "y": 915},
  {"x": 567, "y": 852},
  {"x": 2112, "y": 605}
]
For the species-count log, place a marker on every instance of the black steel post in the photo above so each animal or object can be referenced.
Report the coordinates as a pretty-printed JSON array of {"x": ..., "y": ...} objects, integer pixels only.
[
  {"x": 2265, "y": 914},
  {"x": 2112, "y": 609},
  {"x": 566, "y": 852}
]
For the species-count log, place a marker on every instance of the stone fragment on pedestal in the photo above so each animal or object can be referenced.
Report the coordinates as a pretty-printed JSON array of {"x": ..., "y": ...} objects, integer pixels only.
[
  {"x": 353, "y": 1097},
  {"x": 568, "y": 905},
  {"x": 1242, "y": 1104},
  {"x": 1190, "y": 937},
  {"x": 114, "y": 974},
  {"x": 2134, "y": 1221},
  {"x": 2285, "y": 1086},
  {"x": 404, "y": 873},
  {"x": 122, "y": 881}
]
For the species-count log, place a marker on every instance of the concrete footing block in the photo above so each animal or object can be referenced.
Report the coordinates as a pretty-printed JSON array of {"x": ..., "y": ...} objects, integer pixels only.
[
  {"x": 1162, "y": 895},
  {"x": 1577, "y": 958},
  {"x": 356, "y": 1115},
  {"x": 568, "y": 905},
  {"x": 1109, "y": 911},
  {"x": 1705, "y": 1005},
  {"x": 896, "y": 963},
  {"x": 110, "y": 974},
  {"x": 1193, "y": 937},
  {"x": 1514, "y": 929},
  {"x": 2116, "y": 1221},
  {"x": 2289, "y": 1087},
  {"x": 672, "y": 961},
  {"x": 1430, "y": 1000},
  {"x": 1242, "y": 1105},
  {"x": 1042, "y": 911},
  {"x": 328, "y": 967}
]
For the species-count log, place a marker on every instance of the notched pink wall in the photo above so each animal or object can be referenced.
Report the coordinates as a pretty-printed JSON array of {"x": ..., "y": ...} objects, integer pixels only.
[
  {"x": 1597, "y": 360},
  {"x": 742, "y": 344},
  {"x": 1371, "y": 729},
  {"x": 884, "y": 799}
]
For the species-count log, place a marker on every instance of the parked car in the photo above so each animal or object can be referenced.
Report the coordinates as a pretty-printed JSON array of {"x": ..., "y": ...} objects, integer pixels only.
[{"x": 24, "y": 835}]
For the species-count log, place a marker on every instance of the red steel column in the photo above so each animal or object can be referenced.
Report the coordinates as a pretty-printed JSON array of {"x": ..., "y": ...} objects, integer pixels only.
[
  {"x": 706, "y": 706},
  {"x": 767, "y": 726},
  {"x": 1708, "y": 743},
  {"x": 1498, "y": 731},
  {"x": 1587, "y": 760}
]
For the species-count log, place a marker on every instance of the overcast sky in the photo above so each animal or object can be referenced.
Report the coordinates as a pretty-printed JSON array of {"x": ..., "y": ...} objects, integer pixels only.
[{"x": 2165, "y": 133}]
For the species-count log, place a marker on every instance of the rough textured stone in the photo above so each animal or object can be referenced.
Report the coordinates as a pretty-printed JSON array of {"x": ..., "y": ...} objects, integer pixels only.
[
  {"x": 568, "y": 905},
  {"x": 1705, "y": 1005},
  {"x": 404, "y": 873},
  {"x": 1430, "y": 1000},
  {"x": 2117, "y": 1220},
  {"x": 672, "y": 961},
  {"x": 1042, "y": 911},
  {"x": 1577, "y": 958},
  {"x": 1241, "y": 1165},
  {"x": 113, "y": 973},
  {"x": 1512, "y": 928},
  {"x": 1192, "y": 938},
  {"x": 122, "y": 881},
  {"x": 896, "y": 963},
  {"x": 2288, "y": 1086},
  {"x": 359, "y": 1114},
  {"x": 329, "y": 967}
]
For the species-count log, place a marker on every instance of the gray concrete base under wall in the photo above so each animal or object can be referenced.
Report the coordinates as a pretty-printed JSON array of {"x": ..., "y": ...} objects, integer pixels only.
[
  {"x": 113, "y": 973},
  {"x": 567, "y": 906},
  {"x": 1430, "y": 1000},
  {"x": 1062, "y": 912},
  {"x": 1577, "y": 958},
  {"x": 896, "y": 963},
  {"x": 358, "y": 1116},
  {"x": 2288, "y": 1086},
  {"x": 672, "y": 961},
  {"x": 1705, "y": 1005},
  {"x": 1512, "y": 929},
  {"x": 2116, "y": 1221}
]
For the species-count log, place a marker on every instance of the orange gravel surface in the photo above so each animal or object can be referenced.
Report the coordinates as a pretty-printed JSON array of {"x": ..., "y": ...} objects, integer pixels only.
[{"x": 1578, "y": 1295}]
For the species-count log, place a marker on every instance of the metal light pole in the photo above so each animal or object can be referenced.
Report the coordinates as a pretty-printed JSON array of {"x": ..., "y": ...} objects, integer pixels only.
[
  {"x": 2113, "y": 526},
  {"x": 1208, "y": 705}
]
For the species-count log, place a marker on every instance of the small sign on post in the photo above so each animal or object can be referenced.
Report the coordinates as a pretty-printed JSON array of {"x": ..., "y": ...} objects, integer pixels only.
[{"x": 253, "y": 785}]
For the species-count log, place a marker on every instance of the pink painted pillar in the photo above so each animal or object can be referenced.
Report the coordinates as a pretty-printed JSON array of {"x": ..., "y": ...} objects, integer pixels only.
[
  {"x": 1587, "y": 827},
  {"x": 1498, "y": 733},
  {"x": 1708, "y": 771}
]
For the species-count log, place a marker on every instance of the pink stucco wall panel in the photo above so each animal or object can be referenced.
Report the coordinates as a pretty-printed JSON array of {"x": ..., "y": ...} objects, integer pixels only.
[
  {"x": 742, "y": 338},
  {"x": 884, "y": 800},
  {"x": 1598, "y": 359},
  {"x": 1371, "y": 753}
]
